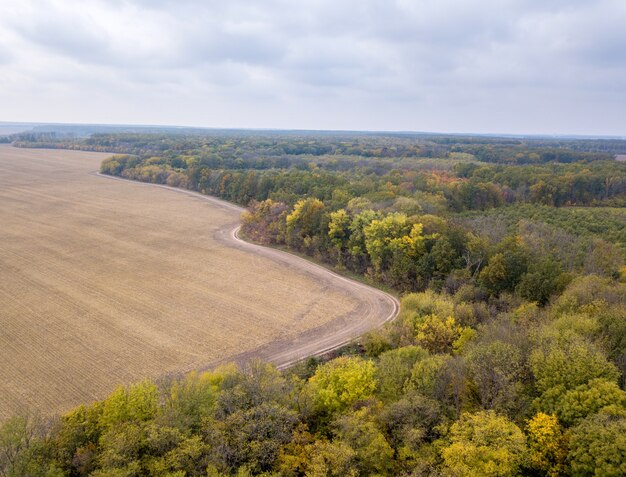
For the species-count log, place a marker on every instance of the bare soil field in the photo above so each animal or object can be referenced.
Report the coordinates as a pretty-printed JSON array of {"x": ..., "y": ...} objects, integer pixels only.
[{"x": 105, "y": 282}]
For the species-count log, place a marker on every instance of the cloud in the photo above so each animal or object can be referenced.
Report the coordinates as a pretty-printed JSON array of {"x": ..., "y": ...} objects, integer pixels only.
[
  {"x": 449, "y": 65},
  {"x": 5, "y": 57}
]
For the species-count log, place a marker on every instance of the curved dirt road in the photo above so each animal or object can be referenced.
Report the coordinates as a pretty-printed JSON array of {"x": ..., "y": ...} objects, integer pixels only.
[{"x": 375, "y": 306}]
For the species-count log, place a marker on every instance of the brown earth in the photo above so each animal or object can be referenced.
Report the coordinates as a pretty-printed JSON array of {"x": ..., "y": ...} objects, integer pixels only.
[{"x": 104, "y": 282}]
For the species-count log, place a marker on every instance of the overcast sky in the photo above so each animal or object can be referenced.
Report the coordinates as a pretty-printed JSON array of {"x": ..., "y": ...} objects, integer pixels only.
[{"x": 499, "y": 66}]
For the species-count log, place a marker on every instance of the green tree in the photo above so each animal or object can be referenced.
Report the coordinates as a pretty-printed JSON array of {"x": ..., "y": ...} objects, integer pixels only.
[
  {"x": 374, "y": 455},
  {"x": 589, "y": 398},
  {"x": 251, "y": 437},
  {"x": 411, "y": 422},
  {"x": 190, "y": 400},
  {"x": 383, "y": 235},
  {"x": 598, "y": 446},
  {"x": 331, "y": 459},
  {"x": 24, "y": 450},
  {"x": 394, "y": 369},
  {"x": 356, "y": 243},
  {"x": 569, "y": 363},
  {"x": 543, "y": 280},
  {"x": 505, "y": 269},
  {"x": 339, "y": 228},
  {"x": 339, "y": 232},
  {"x": 137, "y": 403},
  {"x": 426, "y": 375}
]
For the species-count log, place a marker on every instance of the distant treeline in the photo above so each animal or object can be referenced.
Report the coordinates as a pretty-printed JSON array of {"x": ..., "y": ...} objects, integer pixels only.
[{"x": 367, "y": 145}]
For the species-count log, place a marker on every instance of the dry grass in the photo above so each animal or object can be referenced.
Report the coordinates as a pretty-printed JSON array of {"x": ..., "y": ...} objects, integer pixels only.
[{"x": 104, "y": 282}]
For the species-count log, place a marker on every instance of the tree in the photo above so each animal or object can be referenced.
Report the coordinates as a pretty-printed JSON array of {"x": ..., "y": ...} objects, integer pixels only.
[
  {"x": 136, "y": 403},
  {"x": 598, "y": 445},
  {"x": 475, "y": 254},
  {"x": 505, "y": 268},
  {"x": 331, "y": 459},
  {"x": 438, "y": 335},
  {"x": 568, "y": 363},
  {"x": 190, "y": 400},
  {"x": 341, "y": 382},
  {"x": 586, "y": 293},
  {"x": 356, "y": 243},
  {"x": 543, "y": 280},
  {"x": 394, "y": 369},
  {"x": 411, "y": 421},
  {"x": 251, "y": 437},
  {"x": 304, "y": 222},
  {"x": 380, "y": 234},
  {"x": 496, "y": 370},
  {"x": 264, "y": 221},
  {"x": 604, "y": 259},
  {"x": 484, "y": 445},
  {"x": 547, "y": 446},
  {"x": 23, "y": 450},
  {"x": 494, "y": 276},
  {"x": 77, "y": 437},
  {"x": 374, "y": 455},
  {"x": 426, "y": 376},
  {"x": 589, "y": 398},
  {"x": 339, "y": 232}
]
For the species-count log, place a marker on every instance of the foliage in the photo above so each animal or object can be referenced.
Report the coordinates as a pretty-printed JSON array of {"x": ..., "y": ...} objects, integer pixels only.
[
  {"x": 598, "y": 445},
  {"x": 372, "y": 213},
  {"x": 484, "y": 444},
  {"x": 508, "y": 356},
  {"x": 342, "y": 382},
  {"x": 453, "y": 410},
  {"x": 547, "y": 445}
]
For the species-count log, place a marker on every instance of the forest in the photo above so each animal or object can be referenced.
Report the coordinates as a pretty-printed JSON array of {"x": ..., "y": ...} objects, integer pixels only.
[{"x": 508, "y": 356}]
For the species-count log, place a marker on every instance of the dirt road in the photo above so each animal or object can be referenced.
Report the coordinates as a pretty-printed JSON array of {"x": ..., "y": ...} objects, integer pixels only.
[{"x": 375, "y": 307}]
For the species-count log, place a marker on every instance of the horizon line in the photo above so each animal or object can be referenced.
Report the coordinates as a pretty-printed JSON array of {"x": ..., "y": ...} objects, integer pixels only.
[{"x": 307, "y": 130}]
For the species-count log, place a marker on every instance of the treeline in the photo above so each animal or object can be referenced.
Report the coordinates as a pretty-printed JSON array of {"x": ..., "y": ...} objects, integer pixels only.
[
  {"x": 419, "y": 251},
  {"x": 553, "y": 184},
  {"x": 320, "y": 144},
  {"x": 468, "y": 186},
  {"x": 453, "y": 387},
  {"x": 395, "y": 228}
]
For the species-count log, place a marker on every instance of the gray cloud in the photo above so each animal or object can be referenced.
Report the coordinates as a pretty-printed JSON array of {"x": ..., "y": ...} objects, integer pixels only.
[{"x": 446, "y": 65}]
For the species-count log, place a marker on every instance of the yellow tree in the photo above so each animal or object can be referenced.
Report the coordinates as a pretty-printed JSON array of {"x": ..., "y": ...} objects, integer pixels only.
[
  {"x": 341, "y": 382},
  {"x": 484, "y": 445},
  {"x": 547, "y": 446}
]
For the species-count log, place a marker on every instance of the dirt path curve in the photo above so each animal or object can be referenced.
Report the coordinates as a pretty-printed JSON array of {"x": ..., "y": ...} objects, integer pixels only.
[{"x": 375, "y": 306}]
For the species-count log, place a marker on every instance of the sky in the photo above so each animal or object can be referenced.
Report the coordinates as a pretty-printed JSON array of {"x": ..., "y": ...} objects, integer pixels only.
[{"x": 465, "y": 66}]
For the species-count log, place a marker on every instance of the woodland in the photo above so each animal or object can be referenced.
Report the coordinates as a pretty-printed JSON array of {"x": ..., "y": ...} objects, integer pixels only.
[{"x": 508, "y": 356}]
